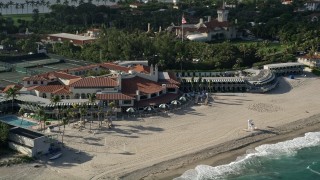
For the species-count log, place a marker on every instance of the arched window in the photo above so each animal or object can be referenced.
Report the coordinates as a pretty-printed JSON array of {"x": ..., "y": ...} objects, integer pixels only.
[
  {"x": 67, "y": 97},
  {"x": 83, "y": 96},
  {"x": 77, "y": 96},
  {"x": 44, "y": 95},
  {"x": 62, "y": 96}
]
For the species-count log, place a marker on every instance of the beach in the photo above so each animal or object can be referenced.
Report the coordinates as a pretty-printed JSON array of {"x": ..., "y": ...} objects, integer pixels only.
[{"x": 164, "y": 147}]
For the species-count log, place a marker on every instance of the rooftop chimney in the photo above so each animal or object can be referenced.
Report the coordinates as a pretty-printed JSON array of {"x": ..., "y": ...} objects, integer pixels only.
[
  {"x": 149, "y": 29},
  {"x": 201, "y": 21}
]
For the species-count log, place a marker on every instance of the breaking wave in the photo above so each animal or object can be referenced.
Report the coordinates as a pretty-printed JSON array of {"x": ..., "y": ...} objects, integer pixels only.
[{"x": 253, "y": 158}]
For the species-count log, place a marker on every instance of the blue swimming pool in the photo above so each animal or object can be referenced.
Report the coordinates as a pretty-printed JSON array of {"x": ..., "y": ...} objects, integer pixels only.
[{"x": 16, "y": 121}]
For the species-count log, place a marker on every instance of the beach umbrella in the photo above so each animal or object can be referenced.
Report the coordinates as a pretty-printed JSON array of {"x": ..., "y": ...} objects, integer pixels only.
[
  {"x": 148, "y": 108},
  {"x": 163, "y": 106},
  {"x": 131, "y": 110},
  {"x": 175, "y": 102},
  {"x": 182, "y": 98}
]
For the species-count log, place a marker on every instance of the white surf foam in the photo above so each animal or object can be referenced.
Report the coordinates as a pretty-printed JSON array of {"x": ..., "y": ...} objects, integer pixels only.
[{"x": 290, "y": 147}]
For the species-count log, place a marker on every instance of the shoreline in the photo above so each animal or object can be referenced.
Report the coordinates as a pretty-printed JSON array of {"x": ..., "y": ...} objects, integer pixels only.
[{"x": 227, "y": 152}]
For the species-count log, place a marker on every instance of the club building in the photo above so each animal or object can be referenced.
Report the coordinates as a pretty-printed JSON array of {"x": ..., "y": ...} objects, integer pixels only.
[{"x": 133, "y": 85}]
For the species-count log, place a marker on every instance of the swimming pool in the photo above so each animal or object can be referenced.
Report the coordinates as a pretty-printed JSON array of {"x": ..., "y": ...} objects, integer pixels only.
[{"x": 16, "y": 121}]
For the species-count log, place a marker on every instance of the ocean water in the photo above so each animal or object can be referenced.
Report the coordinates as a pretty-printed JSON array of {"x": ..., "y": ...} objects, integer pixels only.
[{"x": 296, "y": 159}]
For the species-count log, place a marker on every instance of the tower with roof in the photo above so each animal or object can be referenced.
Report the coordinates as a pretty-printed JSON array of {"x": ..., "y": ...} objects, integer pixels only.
[{"x": 222, "y": 14}]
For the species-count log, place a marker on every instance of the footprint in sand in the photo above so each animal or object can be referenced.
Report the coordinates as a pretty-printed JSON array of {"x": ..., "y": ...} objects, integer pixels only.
[{"x": 263, "y": 107}]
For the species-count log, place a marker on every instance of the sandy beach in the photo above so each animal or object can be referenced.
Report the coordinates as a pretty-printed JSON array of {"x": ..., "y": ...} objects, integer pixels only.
[{"x": 164, "y": 147}]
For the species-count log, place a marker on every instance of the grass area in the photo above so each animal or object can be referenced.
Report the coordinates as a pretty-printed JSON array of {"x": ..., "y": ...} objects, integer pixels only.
[
  {"x": 16, "y": 17},
  {"x": 316, "y": 71}
]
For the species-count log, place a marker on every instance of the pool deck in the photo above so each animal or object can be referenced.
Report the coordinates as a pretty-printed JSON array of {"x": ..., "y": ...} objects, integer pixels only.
[{"x": 36, "y": 127}]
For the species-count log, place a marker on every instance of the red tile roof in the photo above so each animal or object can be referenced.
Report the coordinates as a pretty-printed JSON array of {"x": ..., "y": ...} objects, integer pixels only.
[
  {"x": 142, "y": 69},
  {"x": 113, "y": 66},
  {"x": 82, "y": 68},
  {"x": 312, "y": 57},
  {"x": 166, "y": 98},
  {"x": 34, "y": 78},
  {"x": 215, "y": 23},
  {"x": 64, "y": 75},
  {"x": 54, "y": 89},
  {"x": 95, "y": 82},
  {"x": 11, "y": 86},
  {"x": 62, "y": 91},
  {"x": 145, "y": 86},
  {"x": 112, "y": 96},
  {"x": 50, "y": 75}
]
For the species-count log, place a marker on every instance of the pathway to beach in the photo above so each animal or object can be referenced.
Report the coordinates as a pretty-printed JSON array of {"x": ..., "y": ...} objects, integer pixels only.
[{"x": 140, "y": 143}]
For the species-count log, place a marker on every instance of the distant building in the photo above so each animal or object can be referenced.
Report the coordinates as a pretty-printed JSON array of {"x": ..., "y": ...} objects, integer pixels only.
[
  {"x": 285, "y": 68},
  {"x": 212, "y": 29},
  {"x": 312, "y": 5},
  {"x": 76, "y": 39},
  {"x": 28, "y": 142},
  {"x": 311, "y": 61}
]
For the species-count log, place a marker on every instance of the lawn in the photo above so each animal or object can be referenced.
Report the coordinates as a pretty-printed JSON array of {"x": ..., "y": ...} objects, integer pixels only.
[{"x": 15, "y": 17}]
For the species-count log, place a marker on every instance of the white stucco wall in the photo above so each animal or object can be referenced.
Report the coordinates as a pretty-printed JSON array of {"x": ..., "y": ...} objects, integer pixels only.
[
  {"x": 21, "y": 149},
  {"x": 21, "y": 139},
  {"x": 41, "y": 145}
]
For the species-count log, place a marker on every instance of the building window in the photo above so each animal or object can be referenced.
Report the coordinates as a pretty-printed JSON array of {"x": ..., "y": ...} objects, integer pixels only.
[
  {"x": 28, "y": 82},
  {"x": 62, "y": 96},
  {"x": 77, "y": 96},
  {"x": 35, "y": 82},
  {"x": 144, "y": 97},
  {"x": 67, "y": 97},
  {"x": 126, "y": 101},
  {"x": 44, "y": 95},
  {"x": 83, "y": 96},
  {"x": 41, "y": 82}
]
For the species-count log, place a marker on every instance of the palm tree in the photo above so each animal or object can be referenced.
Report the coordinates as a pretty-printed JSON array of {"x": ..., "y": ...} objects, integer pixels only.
[
  {"x": 44, "y": 119},
  {"x": 22, "y": 7},
  {"x": 17, "y": 7},
  {"x": 83, "y": 111},
  {"x": 6, "y": 6},
  {"x": 65, "y": 120},
  {"x": 1, "y": 5},
  {"x": 92, "y": 100},
  {"x": 12, "y": 94},
  {"x": 100, "y": 111},
  {"x": 54, "y": 100},
  {"x": 21, "y": 113},
  {"x": 11, "y": 3},
  {"x": 111, "y": 105},
  {"x": 28, "y": 3},
  {"x": 43, "y": 4},
  {"x": 40, "y": 113},
  {"x": 47, "y": 4}
]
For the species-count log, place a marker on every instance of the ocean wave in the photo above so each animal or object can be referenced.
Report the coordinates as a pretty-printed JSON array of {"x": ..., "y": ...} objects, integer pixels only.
[{"x": 252, "y": 158}]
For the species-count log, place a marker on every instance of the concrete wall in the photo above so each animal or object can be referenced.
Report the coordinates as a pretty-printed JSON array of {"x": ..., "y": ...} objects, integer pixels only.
[
  {"x": 41, "y": 145},
  {"x": 21, "y": 149},
  {"x": 21, "y": 139}
]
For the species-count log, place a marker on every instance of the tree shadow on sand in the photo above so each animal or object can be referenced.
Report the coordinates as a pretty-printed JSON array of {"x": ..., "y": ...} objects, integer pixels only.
[{"x": 69, "y": 158}]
